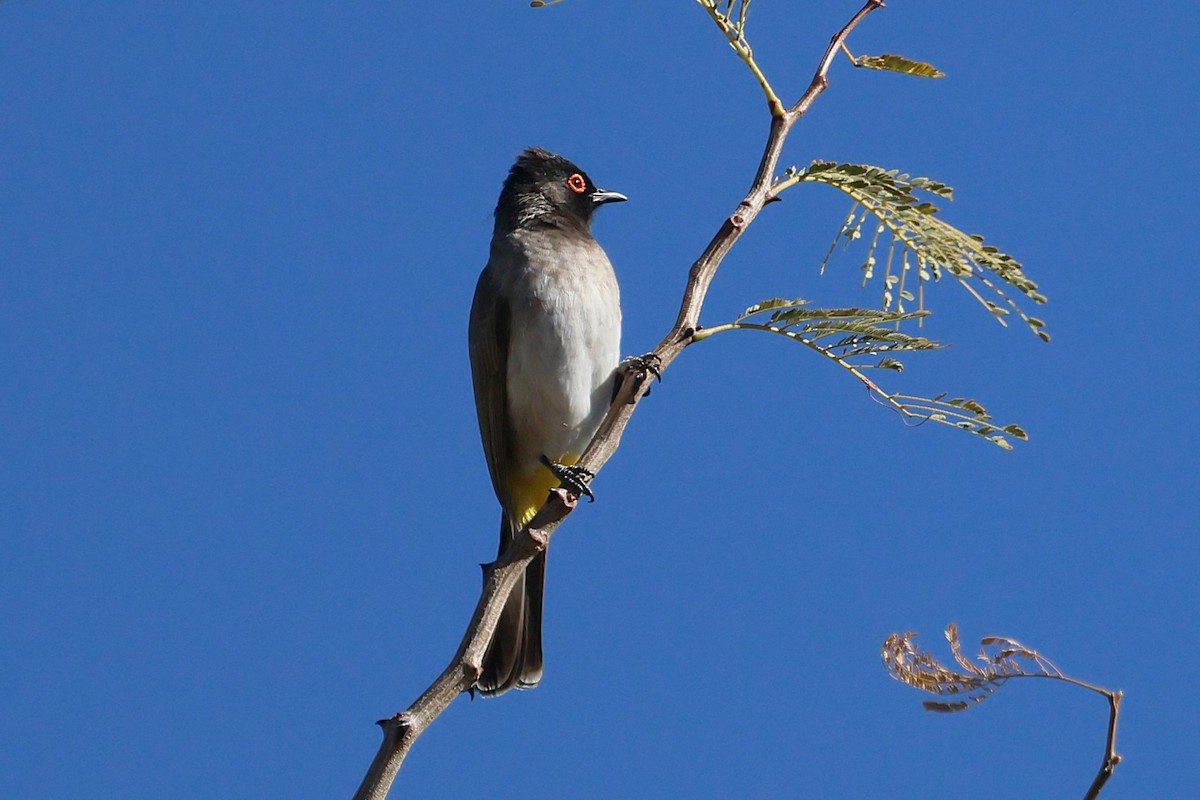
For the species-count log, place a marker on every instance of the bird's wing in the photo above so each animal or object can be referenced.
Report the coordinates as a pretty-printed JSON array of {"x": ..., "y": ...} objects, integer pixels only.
[{"x": 488, "y": 337}]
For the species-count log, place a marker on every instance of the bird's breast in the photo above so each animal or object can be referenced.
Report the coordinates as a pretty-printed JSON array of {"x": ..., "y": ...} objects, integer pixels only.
[{"x": 565, "y": 344}]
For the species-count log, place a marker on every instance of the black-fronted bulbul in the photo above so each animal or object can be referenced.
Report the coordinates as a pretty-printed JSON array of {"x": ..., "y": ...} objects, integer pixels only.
[{"x": 545, "y": 341}]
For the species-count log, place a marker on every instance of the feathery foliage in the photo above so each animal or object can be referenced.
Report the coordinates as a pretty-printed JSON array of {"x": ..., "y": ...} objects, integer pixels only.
[
  {"x": 859, "y": 339},
  {"x": 918, "y": 240}
]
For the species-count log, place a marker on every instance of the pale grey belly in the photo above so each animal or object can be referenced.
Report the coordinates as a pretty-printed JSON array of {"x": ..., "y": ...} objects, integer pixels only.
[{"x": 561, "y": 363}]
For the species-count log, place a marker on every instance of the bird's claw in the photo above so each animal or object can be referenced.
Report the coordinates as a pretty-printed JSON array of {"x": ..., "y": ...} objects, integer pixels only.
[
  {"x": 650, "y": 363},
  {"x": 574, "y": 479}
]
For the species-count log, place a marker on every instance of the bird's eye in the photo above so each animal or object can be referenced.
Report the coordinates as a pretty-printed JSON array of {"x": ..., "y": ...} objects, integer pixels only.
[{"x": 577, "y": 184}]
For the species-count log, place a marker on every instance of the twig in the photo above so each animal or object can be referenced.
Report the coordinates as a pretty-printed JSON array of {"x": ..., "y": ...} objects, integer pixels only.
[
  {"x": 735, "y": 32},
  {"x": 1111, "y": 759},
  {"x": 403, "y": 729}
]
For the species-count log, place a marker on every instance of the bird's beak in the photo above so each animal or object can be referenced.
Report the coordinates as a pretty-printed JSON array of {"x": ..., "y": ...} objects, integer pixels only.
[{"x": 602, "y": 196}]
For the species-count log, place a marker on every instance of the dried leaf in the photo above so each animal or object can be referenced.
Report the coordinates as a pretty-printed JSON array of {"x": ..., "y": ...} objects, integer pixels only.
[{"x": 946, "y": 708}]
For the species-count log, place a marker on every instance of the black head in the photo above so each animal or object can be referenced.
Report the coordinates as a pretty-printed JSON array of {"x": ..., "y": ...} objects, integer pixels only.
[{"x": 546, "y": 188}]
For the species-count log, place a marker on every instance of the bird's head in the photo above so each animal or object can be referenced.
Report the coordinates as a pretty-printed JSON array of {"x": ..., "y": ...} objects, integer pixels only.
[{"x": 544, "y": 187}]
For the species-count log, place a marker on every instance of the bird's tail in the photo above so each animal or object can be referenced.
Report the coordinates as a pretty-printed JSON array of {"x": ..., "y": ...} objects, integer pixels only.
[{"x": 514, "y": 657}]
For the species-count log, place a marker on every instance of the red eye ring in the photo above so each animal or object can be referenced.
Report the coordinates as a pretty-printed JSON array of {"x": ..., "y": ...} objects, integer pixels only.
[{"x": 577, "y": 184}]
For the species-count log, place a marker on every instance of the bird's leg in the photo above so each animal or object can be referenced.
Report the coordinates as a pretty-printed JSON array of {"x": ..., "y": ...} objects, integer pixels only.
[{"x": 575, "y": 480}]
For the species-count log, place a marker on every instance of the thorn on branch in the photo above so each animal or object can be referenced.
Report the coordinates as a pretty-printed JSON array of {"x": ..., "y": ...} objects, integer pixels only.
[{"x": 398, "y": 720}]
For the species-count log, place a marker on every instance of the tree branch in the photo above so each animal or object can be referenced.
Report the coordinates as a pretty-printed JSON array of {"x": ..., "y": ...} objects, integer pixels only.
[
  {"x": 403, "y": 729},
  {"x": 1111, "y": 759},
  {"x": 499, "y": 578}
]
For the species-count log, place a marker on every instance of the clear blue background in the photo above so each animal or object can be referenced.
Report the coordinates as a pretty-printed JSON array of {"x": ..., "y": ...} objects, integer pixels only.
[{"x": 242, "y": 500}]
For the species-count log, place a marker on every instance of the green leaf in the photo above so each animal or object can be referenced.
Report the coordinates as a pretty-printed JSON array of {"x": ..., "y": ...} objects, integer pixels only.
[
  {"x": 771, "y": 305},
  {"x": 933, "y": 187},
  {"x": 1017, "y": 432},
  {"x": 973, "y": 407},
  {"x": 894, "y": 63}
]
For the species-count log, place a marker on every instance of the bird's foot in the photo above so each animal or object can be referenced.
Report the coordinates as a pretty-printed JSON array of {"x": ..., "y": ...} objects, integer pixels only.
[
  {"x": 650, "y": 364},
  {"x": 575, "y": 480},
  {"x": 644, "y": 365}
]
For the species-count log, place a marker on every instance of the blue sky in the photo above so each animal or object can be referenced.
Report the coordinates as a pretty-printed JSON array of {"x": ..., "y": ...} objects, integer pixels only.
[{"x": 242, "y": 498}]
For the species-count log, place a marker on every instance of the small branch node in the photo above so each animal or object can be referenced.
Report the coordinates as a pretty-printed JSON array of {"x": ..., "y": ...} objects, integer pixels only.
[
  {"x": 559, "y": 503},
  {"x": 540, "y": 538}
]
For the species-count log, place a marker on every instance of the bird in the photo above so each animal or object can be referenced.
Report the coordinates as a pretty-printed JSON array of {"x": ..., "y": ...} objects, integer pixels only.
[{"x": 544, "y": 341}]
